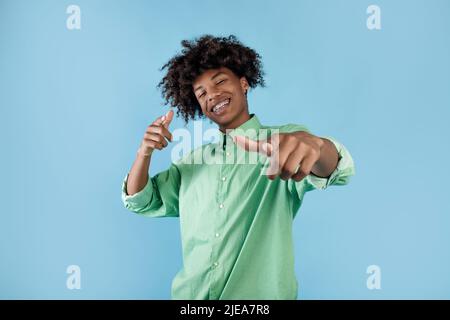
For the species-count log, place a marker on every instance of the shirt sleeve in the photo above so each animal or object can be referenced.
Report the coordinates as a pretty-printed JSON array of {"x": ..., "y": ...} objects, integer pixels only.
[
  {"x": 340, "y": 176},
  {"x": 159, "y": 197}
]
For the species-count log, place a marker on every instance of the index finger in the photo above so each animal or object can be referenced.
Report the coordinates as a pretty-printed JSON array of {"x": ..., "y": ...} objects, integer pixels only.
[{"x": 261, "y": 146}]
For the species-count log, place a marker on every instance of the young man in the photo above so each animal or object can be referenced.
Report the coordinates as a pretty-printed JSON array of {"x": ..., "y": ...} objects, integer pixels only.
[{"x": 236, "y": 221}]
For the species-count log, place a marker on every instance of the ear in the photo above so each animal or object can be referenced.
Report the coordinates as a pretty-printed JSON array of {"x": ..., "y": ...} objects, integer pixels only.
[{"x": 244, "y": 85}]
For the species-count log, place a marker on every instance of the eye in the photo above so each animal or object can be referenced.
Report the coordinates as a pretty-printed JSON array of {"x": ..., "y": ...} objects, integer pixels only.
[
  {"x": 202, "y": 94},
  {"x": 223, "y": 80}
]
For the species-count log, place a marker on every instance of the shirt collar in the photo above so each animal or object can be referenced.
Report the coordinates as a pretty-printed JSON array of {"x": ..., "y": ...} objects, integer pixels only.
[{"x": 249, "y": 129}]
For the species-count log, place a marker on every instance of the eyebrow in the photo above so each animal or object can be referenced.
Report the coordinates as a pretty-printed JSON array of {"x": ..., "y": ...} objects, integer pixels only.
[{"x": 212, "y": 78}]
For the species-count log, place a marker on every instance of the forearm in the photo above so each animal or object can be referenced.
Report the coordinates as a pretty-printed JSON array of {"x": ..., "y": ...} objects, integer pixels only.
[
  {"x": 138, "y": 175},
  {"x": 328, "y": 160}
]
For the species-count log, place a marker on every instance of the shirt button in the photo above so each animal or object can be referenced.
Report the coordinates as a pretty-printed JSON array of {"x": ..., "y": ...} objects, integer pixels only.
[
  {"x": 228, "y": 154},
  {"x": 221, "y": 206},
  {"x": 217, "y": 235},
  {"x": 215, "y": 264},
  {"x": 224, "y": 178}
]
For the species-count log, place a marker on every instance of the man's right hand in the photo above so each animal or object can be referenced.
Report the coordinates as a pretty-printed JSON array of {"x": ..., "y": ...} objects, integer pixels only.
[{"x": 156, "y": 134}]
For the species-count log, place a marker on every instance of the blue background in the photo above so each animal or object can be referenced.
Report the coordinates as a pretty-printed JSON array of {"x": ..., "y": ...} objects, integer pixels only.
[{"x": 75, "y": 105}]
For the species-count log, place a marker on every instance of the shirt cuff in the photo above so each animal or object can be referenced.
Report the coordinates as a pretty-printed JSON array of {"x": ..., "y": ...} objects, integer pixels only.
[
  {"x": 139, "y": 199},
  {"x": 341, "y": 175}
]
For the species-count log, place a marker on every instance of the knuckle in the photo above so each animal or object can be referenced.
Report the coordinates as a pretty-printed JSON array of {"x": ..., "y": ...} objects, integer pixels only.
[{"x": 290, "y": 138}]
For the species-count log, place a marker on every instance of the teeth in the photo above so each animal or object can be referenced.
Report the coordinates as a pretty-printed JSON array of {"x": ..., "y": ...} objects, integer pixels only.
[{"x": 219, "y": 106}]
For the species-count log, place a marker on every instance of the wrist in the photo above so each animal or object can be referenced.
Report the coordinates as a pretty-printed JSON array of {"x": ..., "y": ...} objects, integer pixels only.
[{"x": 144, "y": 154}]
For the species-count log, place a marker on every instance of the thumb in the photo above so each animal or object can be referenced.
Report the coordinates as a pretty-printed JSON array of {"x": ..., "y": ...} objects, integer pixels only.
[
  {"x": 167, "y": 118},
  {"x": 250, "y": 145}
]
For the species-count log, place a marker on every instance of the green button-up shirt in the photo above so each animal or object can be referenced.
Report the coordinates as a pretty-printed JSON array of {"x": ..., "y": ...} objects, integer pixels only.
[{"x": 236, "y": 224}]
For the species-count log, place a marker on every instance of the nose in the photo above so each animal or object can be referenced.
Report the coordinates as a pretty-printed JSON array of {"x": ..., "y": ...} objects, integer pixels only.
[{"x": 212, "y": 94}]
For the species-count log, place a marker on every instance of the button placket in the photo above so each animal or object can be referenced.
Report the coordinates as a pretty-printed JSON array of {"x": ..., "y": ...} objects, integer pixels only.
[{"x": 219, "y": 220}]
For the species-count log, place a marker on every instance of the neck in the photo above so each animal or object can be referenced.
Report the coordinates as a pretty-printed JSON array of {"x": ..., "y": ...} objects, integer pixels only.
[{"x": 241, "y": 119}]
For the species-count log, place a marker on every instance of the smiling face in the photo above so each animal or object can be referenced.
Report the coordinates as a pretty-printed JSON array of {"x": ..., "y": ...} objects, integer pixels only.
[{"x": 221, "y": 95}]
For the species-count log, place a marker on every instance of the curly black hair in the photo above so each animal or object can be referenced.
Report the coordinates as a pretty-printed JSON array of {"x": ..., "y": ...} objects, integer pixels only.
[{"x": 199, "y": 55}]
